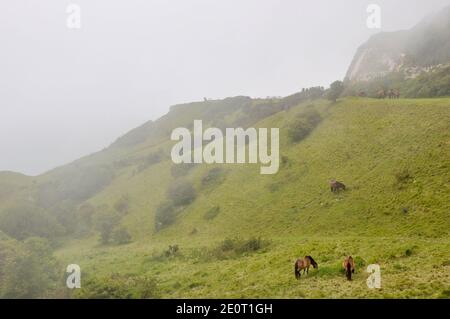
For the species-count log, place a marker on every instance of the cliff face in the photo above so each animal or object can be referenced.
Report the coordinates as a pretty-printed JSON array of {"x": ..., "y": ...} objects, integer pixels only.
[{"x": 420, "y": 49}]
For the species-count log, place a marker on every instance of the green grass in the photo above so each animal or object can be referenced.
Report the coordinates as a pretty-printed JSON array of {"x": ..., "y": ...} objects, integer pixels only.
[{"x": 394, "y": 156}]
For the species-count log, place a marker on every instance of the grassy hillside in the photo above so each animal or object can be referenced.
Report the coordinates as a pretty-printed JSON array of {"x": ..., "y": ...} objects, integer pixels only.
[{"x": 394, "y": 156}]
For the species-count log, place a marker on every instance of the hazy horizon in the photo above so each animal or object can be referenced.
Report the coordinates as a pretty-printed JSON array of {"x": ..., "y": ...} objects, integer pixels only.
[{"x": 66, "y": 93}]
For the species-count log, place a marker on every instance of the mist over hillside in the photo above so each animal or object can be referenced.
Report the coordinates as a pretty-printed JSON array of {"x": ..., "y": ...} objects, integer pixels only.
[
  {"x": 141, "y": 226},
  {"x": 411, "y": 51}
]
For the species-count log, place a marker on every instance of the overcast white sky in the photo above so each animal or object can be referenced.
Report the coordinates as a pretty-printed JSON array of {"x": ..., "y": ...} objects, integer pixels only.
[{"x": 66, "y": 93}]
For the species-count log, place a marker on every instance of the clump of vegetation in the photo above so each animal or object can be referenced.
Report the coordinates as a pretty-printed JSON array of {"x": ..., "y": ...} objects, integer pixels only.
[
  {"x": 84, "y": 220},
  {"x": 165, "y": 215},
  {"x": 214, "y": 176},
  {"x": 119, "y": 286},
  {"x": 304, "y": 95},
  {"x": 181, "y": 193},
  {"x": 235, "y": 247},
  {"x": 151, "y": 159},
  {"x": 107, "y": 223},
  {"x": 27, "y": 269},
  {"x": 285, "y": 161},
  {"x": 335, "y": 90},
  {"x": 172, "y": 251},
  {"x": 408, "y": 252},
  {"x": 402, "y": 177},
  {"x": 212, "y": 213},
  {"x": 121, "y": 236},
  {"x": 26, "y": 220},
  {"x": 303, "y": 125}
]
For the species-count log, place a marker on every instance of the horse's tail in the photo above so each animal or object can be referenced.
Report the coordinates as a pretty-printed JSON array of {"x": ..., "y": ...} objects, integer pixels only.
[
  {"x": 348, "y": 270},
  {"x": 296, "y": 271}
]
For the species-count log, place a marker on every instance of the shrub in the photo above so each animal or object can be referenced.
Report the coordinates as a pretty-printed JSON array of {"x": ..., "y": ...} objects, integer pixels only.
[
  {"x": 234, "y": 247},
  {"x": 181, "y": 193},
  {"x": 285, "y": 162},
  {"x": 172, "y": 251},
  {"x": 303, "y": 125},
  {"x": 151, "y": 159},
  {"x": 402, "y": 178},
  {"x": 212, "y": 213},
  {"x": 165, "y": 215},
  {"x": 26, "y": 220},
  {"x": 121, "y": 236},
  {"x": 213, "y": 176},
  {"x": 28, "y": 269},
  {"x": 84, "y": 220},
  {"x": 105, "y": 222},
  {"x": 335, "y": 90}
]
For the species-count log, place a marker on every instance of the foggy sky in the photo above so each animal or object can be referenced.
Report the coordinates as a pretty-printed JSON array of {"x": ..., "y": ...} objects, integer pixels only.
[{"x": 66, "y": 93}]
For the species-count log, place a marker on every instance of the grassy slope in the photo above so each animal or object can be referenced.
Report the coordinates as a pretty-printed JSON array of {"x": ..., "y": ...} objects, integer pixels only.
[{"x": 362, "y": 142}]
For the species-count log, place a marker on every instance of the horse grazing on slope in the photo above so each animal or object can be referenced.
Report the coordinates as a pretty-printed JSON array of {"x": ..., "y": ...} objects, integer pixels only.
[
  {"x": 336, "y": 186},
  {"x": 304, "y": 264},
  {"x": 349, "y": 266}
]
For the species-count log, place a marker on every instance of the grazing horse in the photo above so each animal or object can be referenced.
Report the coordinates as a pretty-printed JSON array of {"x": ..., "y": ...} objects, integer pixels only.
[
  {"x": 336, "y": 186},
  {"x": 349, "y": 266},
  {"x": 391, "y": 94},
  {"x": 381, "y": 94},
  {"x": 304, "y": 264}
]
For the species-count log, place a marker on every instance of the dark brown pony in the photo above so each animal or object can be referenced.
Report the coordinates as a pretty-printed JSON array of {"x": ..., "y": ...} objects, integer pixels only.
[
  {"x": 304, "y": 264},
  {"x": 349, "y": 266},
  {"x": 336, "y": 186}
]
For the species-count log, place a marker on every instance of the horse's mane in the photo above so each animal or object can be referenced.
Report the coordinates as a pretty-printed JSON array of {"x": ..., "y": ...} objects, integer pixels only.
[{"x": 312, "y": 260}]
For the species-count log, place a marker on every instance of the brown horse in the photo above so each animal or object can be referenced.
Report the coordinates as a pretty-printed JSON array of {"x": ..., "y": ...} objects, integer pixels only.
[
  {"x": 349, "y": 266},
  {"x": 391, "y": 94},
  {"x": 336, "y": 186},
  {"x": 304, "y": 264},
  {"x": 381, "y": 94}
]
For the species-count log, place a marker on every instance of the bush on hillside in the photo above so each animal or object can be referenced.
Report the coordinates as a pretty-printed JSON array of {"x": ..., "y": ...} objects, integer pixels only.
[
  {"x": 212, "y": 213},
  {"x": 26, "y": 220},
  {"x": 303, "y": 125},
  {"x": 235, "y": 247},
  {"x": 181, "y": 193},
  {"x": 335, "y": 90},
  {"x": 165, "y": 215},
  {"x": 105, "y": 222},
  {"x": 121, "y": 236},
  {"x": 28, "y": 269},
  {"x": 151, "y": 159},
  {"x": 214, "y": 176}
]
